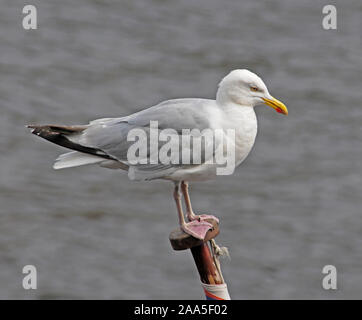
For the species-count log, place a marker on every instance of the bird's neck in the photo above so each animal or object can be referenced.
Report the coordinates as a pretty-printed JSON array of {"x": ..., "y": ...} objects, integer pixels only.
[
  {"x": 224, "y": 100},
  {"x": 233, "y": 109},
  {"x": 222, "y": 97},
  {"x": 240, "y": 117}
]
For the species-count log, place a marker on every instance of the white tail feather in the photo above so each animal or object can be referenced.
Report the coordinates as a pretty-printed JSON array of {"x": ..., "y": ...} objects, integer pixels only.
[{"x": 75, "y": 159}]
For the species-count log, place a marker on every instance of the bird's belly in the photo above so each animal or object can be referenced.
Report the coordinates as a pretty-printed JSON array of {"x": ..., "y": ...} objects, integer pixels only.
[
  {"x": 200, "y": 172},
  {"x": 243, "y": 143}
]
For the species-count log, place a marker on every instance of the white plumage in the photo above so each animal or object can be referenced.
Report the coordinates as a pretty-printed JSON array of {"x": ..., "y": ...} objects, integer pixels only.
[
  {"x": 232, "y": 109},
  {"x": 104, "y": 141},
  {"x": 75, "y": 159}
]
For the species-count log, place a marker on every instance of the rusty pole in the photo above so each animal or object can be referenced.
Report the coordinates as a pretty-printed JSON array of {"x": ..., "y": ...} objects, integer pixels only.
[{"x": 205, "y": 257}]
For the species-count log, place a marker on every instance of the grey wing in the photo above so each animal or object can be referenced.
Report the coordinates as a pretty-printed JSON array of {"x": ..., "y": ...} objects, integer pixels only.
[
  {"x": 111, "y": 135},
  {"x": 177, "y": 114}
]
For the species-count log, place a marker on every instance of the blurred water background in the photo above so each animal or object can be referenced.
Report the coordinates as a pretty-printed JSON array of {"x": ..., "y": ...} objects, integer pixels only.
[{"x": 294, "y": 205}]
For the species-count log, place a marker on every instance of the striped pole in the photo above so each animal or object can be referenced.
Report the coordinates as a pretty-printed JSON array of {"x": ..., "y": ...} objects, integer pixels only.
[{"x": 206, "y": 257}]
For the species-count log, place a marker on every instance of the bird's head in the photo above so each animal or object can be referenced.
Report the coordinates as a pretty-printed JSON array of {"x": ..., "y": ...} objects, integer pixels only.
[{"x": 244, "y": 87}]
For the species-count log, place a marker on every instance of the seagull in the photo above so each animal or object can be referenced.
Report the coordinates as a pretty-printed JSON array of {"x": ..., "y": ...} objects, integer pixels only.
[{"x": 105, "y": 141}]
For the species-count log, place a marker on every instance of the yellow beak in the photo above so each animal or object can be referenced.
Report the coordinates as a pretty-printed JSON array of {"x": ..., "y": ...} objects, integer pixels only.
[{"x": 277, "y": 105}]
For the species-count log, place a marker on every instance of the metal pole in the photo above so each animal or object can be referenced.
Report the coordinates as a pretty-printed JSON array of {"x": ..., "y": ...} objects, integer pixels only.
[{"x": 206, "y": 259}]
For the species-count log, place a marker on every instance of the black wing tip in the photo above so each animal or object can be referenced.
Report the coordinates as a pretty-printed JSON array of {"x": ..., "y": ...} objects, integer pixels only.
[
  {"x": 35, "y": 129},
  {"x": 30, "y": 126},
  {"x": 53, "y": 128},
  {"x": 58, "y": 135}
]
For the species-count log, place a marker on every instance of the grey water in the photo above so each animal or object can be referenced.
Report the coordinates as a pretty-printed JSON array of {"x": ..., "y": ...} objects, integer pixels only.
[{"x": 295, "y": 204}]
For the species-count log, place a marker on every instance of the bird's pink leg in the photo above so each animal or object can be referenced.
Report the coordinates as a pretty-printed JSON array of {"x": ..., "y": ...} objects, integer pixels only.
[
  {"x": 191, "y": 216},
  {"x": 196, "y": 228},
  {"x": 177, "y": 197}
]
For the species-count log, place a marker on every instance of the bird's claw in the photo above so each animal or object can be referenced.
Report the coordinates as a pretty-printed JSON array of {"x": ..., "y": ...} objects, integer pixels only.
[
  {"x": 203, "y": 217},
  {"x": 197, "y": 229}
]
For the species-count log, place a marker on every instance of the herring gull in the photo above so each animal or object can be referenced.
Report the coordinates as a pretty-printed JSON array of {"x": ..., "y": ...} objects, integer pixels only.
[{"x": 106, "y": 141}]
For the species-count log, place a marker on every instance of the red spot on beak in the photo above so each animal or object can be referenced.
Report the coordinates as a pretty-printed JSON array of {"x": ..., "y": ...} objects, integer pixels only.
[{"x": 279, "y": 110}]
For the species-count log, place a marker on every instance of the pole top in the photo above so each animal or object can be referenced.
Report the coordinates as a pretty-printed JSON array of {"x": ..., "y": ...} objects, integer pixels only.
[{"x": 182, "y": 241}]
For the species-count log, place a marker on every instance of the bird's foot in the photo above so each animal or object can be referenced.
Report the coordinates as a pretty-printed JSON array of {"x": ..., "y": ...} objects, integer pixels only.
[
  {"x": 202, "y": 217},
  {"x": 197, "y": 228}
]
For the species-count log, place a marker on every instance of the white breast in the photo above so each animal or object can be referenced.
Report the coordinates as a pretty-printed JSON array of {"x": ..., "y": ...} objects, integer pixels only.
[{"x": 244, "y": 123}]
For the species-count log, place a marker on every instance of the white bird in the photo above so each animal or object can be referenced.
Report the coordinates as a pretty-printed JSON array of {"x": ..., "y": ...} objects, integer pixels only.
[{"x": 105, "y": 141}]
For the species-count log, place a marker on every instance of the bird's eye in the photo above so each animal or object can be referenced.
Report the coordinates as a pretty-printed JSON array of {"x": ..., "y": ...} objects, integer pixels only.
[{"x": 254, "y": 88}]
